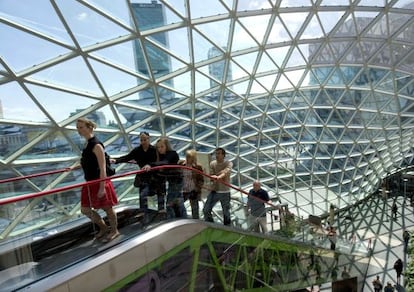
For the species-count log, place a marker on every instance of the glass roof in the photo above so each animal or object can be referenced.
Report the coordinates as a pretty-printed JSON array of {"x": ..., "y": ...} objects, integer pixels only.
[{"x": 314, "y": 98}]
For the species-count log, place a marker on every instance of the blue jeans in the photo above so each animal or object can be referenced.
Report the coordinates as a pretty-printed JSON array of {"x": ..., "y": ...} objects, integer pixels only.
[
  {"x": 175, "y": 200},
  {"x": 212, "y": 199},
  {"x": 144, "y": 192}
]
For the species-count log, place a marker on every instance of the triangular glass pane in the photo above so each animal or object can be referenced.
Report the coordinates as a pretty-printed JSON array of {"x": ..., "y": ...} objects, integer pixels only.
[
  {"x": 336, "y": 77},
  {"x": 311, "y": 79},
  {"x": 60, "y": 105},
  {"x": 405, "y": 36},
  {"x": 226, "y": 140},
  {"x": 278, "y": 33},
  {"x": 339, "y": 48},
  {"x": 200, "y": 131},
  {"x": 135, "y": 111},
  {"x": 203, "y": 83},
  {"x": 246, "y": 131},
  {"x": 15, "y": 137},
  {"x": 112, "y": 80},
  {"x": 291, "y": 25},
  {"x": 363, "y": 19},
  {"x": 72, "y": 74},
  {"x": 267, "y": 82},
  {"x": 383, "y": 79},
  {"x": 179, "y": 46},
  {"x": 118, "y": 10},
  {"x": 17, "y": 105},
  {"x": 122, "y": 54},
  {"x": 300, "y": 3},
  {"x": 326, "y": 19},
  {"x": 295, "y": 59},
  {"x": 323, "y": 98},
  {"x": 261, "y": 21},
  {"x": 201, "y": 46},
  {"x": 42, "y": 182},
  {"x": 241, "y": 34},
  {"x": 295, "y": 77},
  {"x": 213, "y": 8},
  {"x": 404, "y": 83},
  {"x": 324, "y": 55},
  {"x": 176, "y": 127},
  {"x": 231, "y": 129},
  {"x": 87, "y": 26},
  {"x": 278, "y": 55},
  {"x": 216, "y": 70},
  {"x": 22, "y": 13},
  {"x": 277, "y": 105},
  {"x": 181, "y": 82},
  {"x": 165, "y": 97},
  {"x": 257, "y": 88},
  {"x": 283, "y": 83},
  {"x": 266, "y": 65},
  {"x": 322, "y": 73},
  {"x": 217, "y": 32},
  {"x": 241, "y": 87},
  {"x": 347, "y": 28},
  {"x": 16, "y": 53},
  {"x": 246, "y": 61},
  {"x": 255, "y": 107},
  {"x": 159, "y": 60},
  {"x": 53, "y": 145},
  {"x": 313, "y": 29}
]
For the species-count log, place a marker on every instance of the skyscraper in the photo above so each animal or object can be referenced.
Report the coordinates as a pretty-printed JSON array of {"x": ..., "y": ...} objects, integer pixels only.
[
  {"x": 216, "y": 69},
  {"x": 151, "y": 15},
  {"x": 150, "y": 60}
]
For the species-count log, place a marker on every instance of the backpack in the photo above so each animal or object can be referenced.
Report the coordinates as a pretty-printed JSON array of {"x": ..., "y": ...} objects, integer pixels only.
[{"x": 110, "y": 171}]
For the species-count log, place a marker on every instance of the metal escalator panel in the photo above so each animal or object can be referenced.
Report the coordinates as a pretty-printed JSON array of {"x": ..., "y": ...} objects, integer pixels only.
[{"x": 192, "y": 255}]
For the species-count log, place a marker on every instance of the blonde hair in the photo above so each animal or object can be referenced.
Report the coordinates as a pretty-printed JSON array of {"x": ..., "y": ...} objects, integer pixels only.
[
  {"x": 88, "y": 123},
  {"x": 192, "y": 154}
]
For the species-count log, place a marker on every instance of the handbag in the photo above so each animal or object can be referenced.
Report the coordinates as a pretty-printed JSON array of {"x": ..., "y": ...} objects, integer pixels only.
[{"x": 110, "y": 171}]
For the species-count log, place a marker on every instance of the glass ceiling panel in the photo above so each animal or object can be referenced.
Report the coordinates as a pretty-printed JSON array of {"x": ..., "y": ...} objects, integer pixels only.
[
  {"x": 17, "y": 105},
  {"x": 21, "y": 12},
  {"x": 114, "y": 9},
  {"x": 213, "y": 8},
  {"x": 18, "y": 55},
  {"x": 119, "y": 54},
  {"x": 87, "y": 26}
]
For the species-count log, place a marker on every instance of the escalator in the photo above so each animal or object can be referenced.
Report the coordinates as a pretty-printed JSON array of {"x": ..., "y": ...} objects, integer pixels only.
[
  {"x": 52, "y": 248},
  {"x": 181, "y": 255}
]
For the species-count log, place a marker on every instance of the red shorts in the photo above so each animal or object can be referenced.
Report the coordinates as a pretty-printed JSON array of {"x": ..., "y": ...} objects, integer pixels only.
[{"x": 89, "y": 196}]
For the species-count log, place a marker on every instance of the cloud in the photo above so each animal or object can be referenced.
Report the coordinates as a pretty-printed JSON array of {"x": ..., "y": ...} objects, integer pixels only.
[{"x": 82, "y": 16}]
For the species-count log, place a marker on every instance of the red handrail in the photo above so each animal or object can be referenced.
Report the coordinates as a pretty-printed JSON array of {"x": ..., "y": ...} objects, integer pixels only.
[
  {"x": 18, "y": 198},
  {"x": 34, "y": 175}
]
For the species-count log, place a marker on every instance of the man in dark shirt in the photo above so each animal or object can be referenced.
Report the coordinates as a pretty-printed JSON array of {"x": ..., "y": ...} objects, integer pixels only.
[
  {"x": 143, "y": 155},
  {"x": 256, "y": 207}
]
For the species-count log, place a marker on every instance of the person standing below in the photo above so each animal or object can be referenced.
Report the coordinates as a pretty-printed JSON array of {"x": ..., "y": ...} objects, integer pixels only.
[
  {"x": 256, "y": 207},
  {"x": 143, "y": 155},
  {"x": 332, "y": 237},
  {"x": 388, "y": 288},
  {"x": 345, "y": 274},
  {"x": 173, "y": 176},
  {"x": 192, "y": 182},
  {"x": 220, "y": 169},
  {"x": 394, "y": 210},
  {"x": 377, "y": 284},
  {"x": 406, "y": 238},
  {"x": 99, "y": 195},
  {"x": 398, "y": 267}
]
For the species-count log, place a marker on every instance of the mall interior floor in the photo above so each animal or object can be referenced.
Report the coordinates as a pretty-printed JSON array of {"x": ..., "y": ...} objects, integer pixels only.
[{"x": 373, "y": 220}]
